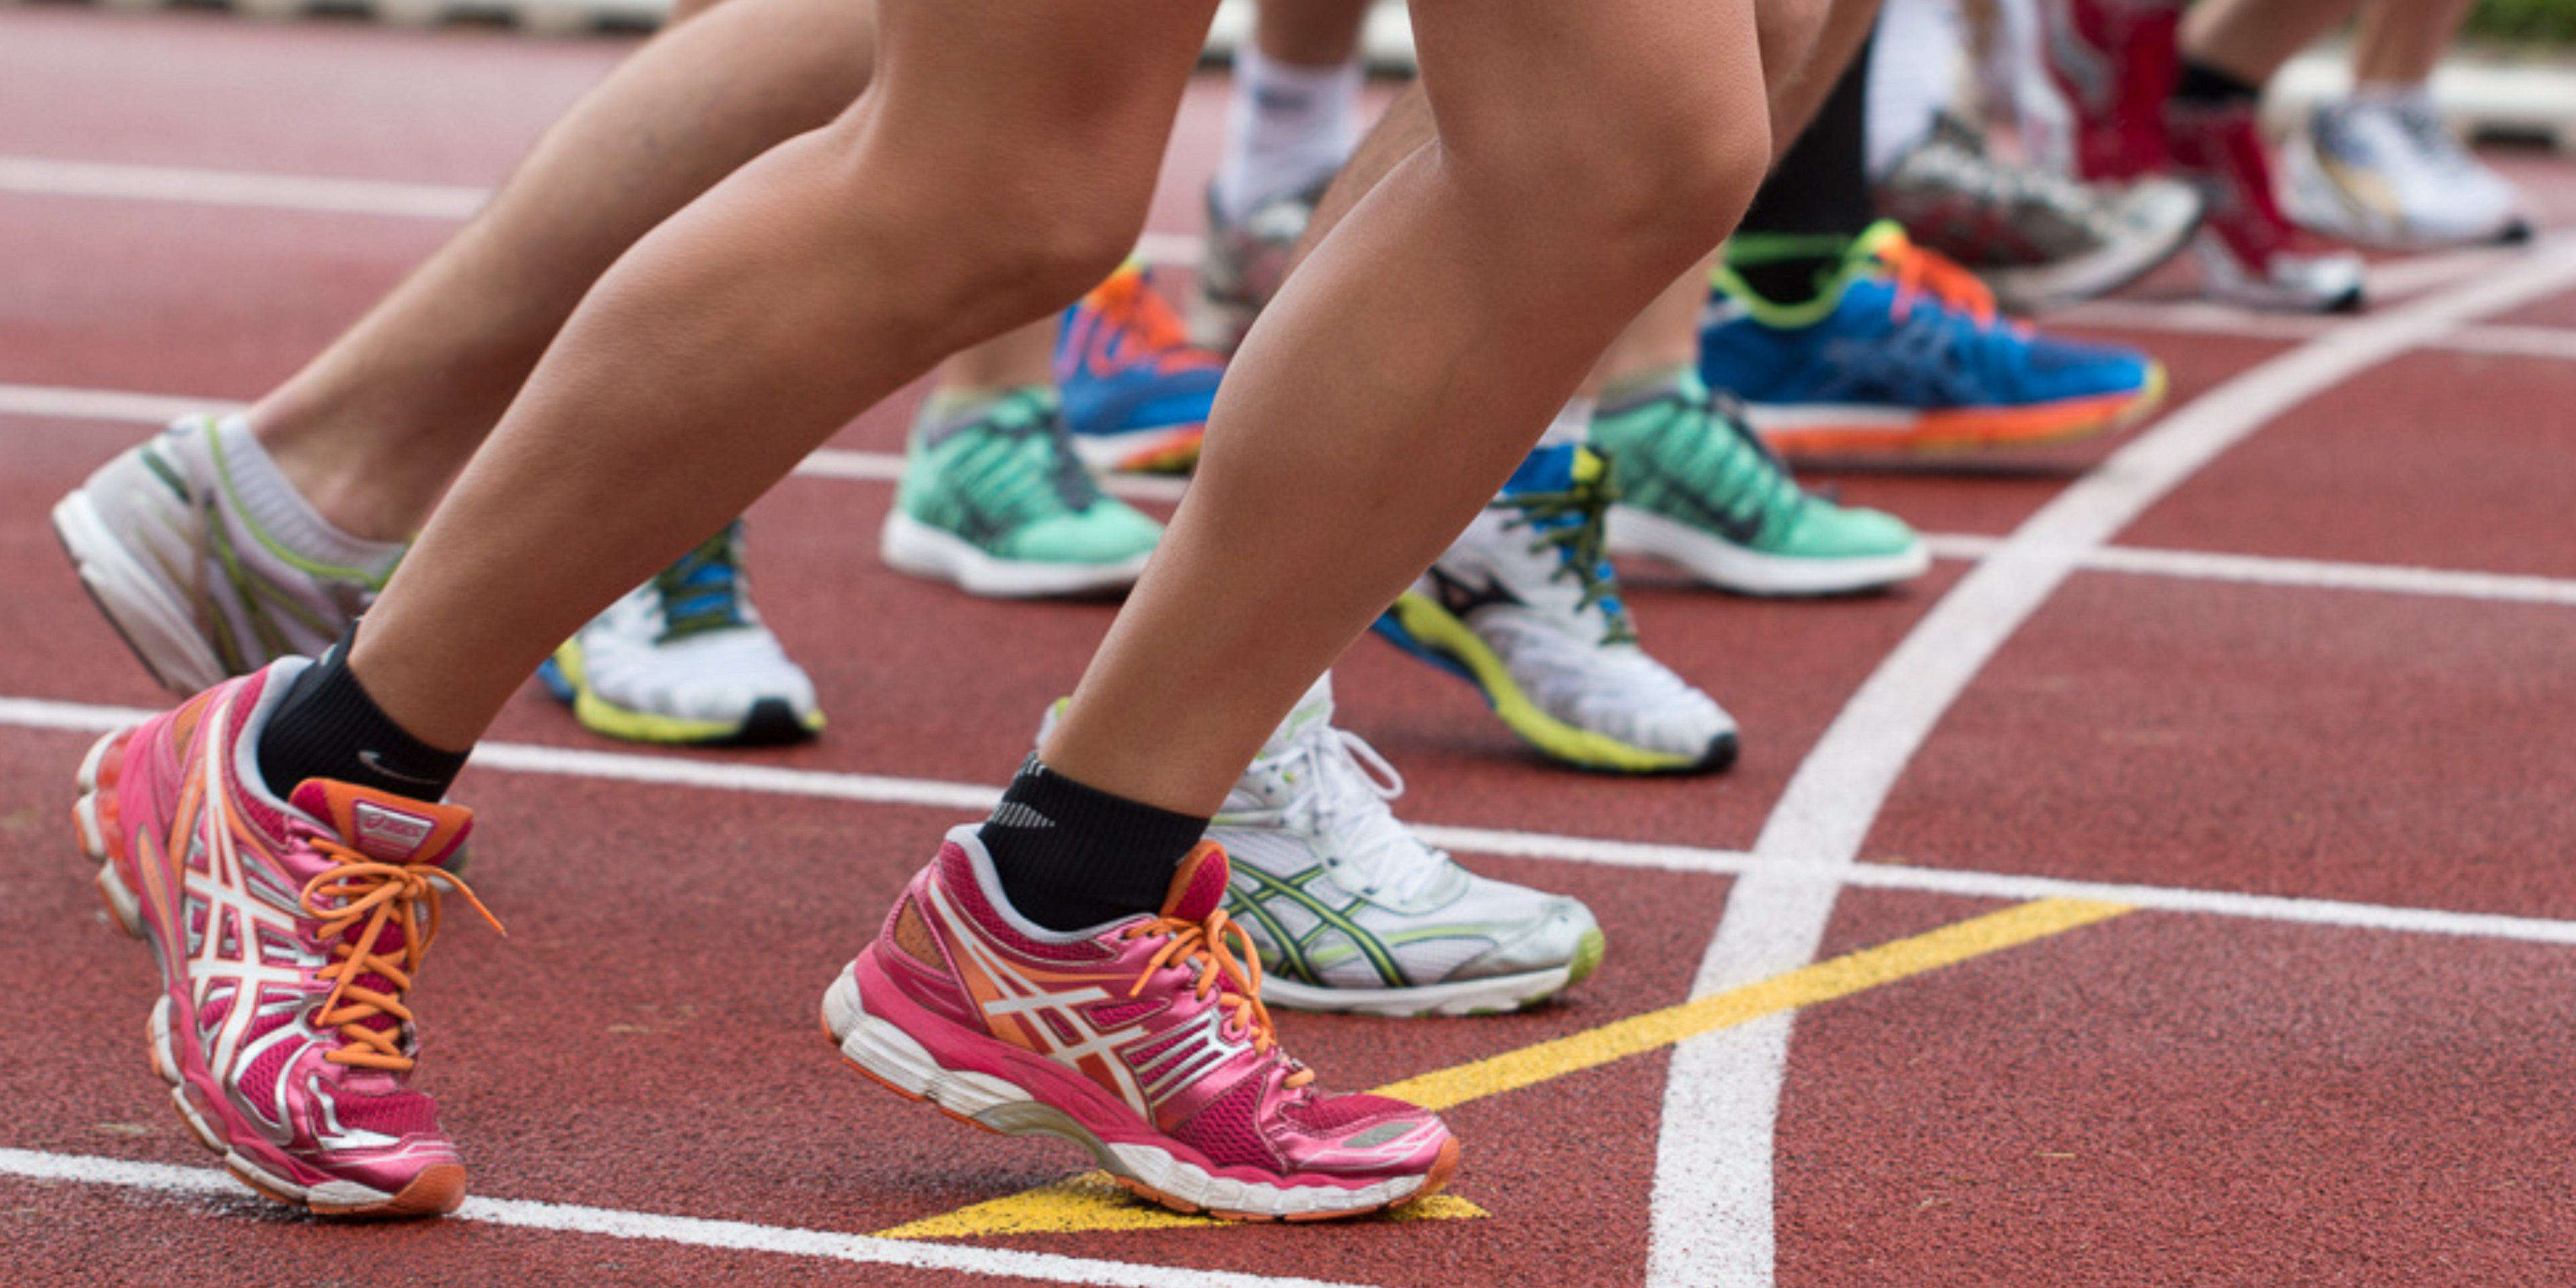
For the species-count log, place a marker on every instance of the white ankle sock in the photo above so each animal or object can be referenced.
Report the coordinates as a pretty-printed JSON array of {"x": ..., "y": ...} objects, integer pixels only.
[
  {"x": 1286, "y": 127},
  {"x": 273, "y": 505},
  {"x": 1913, "y": 75}
]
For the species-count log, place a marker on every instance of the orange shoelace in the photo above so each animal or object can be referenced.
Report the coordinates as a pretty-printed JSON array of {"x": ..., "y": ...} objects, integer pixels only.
[
  {"x": 1146, "y": 324},
  {"x": 1204, "y": 944},
  {"x": 1921, "y": 274},
  {"x": 378, "y": 894}
]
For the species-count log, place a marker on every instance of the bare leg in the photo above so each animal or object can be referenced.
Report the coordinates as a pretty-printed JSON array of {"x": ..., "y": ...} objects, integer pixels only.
[
  {"x": 809, "y": 285},
  {"x": 1013, "y": 360},
  {"x": 372, "y": 431},
  {"x": 1310, "y": 33},
  {"x": 1805, "y": 46},
  {"x": 1597, "y": 172},
  {"x": 2402, "y": 41},
  {"x": 2250, "y": 39}
]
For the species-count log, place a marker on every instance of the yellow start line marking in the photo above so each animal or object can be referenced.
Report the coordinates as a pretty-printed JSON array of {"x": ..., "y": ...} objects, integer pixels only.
[{"x": 1092, "y": 1201}]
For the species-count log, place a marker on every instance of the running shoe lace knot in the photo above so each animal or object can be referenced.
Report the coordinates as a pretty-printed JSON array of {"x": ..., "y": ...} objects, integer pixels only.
[
  {"x": 1573, "y": 522},
  {"x": 1236, "y": 980},
  {"x": 1922, "y": 275},
  {"x": 704, "y": 590},
  {"x": 1342, "y": 788},
  {"x": 1140, "y": 328},
  {"x": 1027, "y": 420},
  {"x": 366, "y": 895}
]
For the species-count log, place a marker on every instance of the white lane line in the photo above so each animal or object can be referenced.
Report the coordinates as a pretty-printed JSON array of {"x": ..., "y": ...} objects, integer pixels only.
[
  {"x": 846, "y": 465},
  {"x": 733, "y": 1236},
  {"x": 2310, "y": 574},
  {"x": 972, "y": 798},
  {"x": 41, "y": 177},
  {"x": 48, "y": 402},
  {"x": 47, "y": 177},
  {"x": 1713, "y": 1214}
]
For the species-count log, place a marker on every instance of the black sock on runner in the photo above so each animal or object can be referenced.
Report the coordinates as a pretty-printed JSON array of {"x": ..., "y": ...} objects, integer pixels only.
[
  {"x": 1819, "y": 194},
  {"x": 327, "y": 727},
  {"x": 1071, "y": 857},
  {"x": 2206, "y": 86}
]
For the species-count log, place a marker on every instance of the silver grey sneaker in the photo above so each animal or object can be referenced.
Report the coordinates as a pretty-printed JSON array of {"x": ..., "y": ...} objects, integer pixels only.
[
  {"x": 1244, "y": 262},
  {"x": 2037, "y": 238},
  {"x": 207, "y": 579},
  {"x": 1350, "y": 911}
]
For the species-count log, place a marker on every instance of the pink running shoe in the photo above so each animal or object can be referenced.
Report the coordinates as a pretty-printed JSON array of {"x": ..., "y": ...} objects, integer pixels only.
[
  {"x": 287, "y": 932},
  {"x": 2250, "y": 253},
  {"x": 1144, "y": 1042}
]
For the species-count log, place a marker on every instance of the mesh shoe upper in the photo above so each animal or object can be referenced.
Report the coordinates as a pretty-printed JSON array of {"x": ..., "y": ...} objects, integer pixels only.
[
  {"x": 685, "y": 657},
  {"x": 289, "y": 933},
  {"x": 2388, "y": 172},
  {"x": 1526, "y": 606},
  {"x": 207, "y": 564},
  {"x": 1148, "y": 1035},
  {"x": 1245, "y": 261},
  {"x": 2250, "y": 252},
  {"x": 1336, "y": 892},
  {"x": 1900, "y": 329},
  {"x": 1002, "y": 477},
  {"x": 1135, "y": 392},
  {"x": 1685, "y": 456}
]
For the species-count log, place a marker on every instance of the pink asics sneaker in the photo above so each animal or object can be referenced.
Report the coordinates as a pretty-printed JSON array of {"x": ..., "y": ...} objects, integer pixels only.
[
  {"x": 288, "y": 932},
  {"x": 1144, "y": 1042}
]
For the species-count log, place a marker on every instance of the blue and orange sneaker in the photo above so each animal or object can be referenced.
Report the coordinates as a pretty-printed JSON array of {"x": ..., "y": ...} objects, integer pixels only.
[
  {"x": 288, "y": 933},
  {"x": 1136, "y": 392},
  {"x": 1903, "y": 351}
]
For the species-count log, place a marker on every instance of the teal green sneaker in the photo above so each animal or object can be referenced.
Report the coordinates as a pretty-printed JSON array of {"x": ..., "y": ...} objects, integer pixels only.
[
  {"x": 995, "y": 501},
  {"x": 1696, "y": 487}
]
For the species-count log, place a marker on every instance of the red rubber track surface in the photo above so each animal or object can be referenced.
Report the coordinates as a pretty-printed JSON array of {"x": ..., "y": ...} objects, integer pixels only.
[{"x": 2260, "y": 1097}]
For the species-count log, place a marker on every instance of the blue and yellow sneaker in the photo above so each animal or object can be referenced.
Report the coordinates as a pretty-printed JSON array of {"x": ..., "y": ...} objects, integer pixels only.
[
  {"x": 1136, "y": 393},
  {"x": 994, "y": 501},
  {"x": 685, "y": 658},
  {"x": 1902, "y": 351},
  {"x": 1525, "y": 607},
  {"x": 1698, "y": 488}
]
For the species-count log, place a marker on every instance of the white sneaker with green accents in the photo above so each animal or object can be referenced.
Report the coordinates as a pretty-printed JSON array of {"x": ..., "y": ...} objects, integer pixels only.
[
  {"x": 208, "y": 562},
  {"x": 1352, "y": 912}
]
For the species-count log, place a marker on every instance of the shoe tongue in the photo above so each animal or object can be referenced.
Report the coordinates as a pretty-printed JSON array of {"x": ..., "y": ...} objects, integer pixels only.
[
  {"x": 1316, "y": 708},
  {"x": 1198, "y": 885},
  {"x": 1546, "y": 469},
  {"x": 383, "y": 826}
]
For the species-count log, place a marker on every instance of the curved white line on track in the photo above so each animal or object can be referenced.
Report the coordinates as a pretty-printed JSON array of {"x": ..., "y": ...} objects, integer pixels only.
[
  {"x": 733, "y": 1236},
  {"x": 1713, "y": 1219}
]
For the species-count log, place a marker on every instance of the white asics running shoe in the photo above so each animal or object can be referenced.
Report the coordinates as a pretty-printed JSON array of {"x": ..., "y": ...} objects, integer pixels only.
[
  {"x": 685, "y": 658},
  {"x": 2385, "y": 171},
  {"x": 1350, "y": 911},
  {"x": 207, "y": 562},
  {"x": 1526, "y": 608}
]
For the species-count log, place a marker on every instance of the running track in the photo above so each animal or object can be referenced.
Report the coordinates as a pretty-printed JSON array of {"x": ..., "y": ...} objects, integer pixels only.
[{"x": 2188, "y": 857}]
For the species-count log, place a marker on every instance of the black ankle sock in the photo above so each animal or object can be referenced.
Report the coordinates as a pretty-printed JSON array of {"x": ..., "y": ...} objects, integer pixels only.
[
  {"x": 1072, "y": 857},
  {"x": 327, "y": 727},
  {"x": 2202, "y": 84}
]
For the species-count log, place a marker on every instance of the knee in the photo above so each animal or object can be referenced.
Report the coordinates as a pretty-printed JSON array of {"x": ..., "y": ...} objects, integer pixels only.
[{"x": 1653, "y": 188}]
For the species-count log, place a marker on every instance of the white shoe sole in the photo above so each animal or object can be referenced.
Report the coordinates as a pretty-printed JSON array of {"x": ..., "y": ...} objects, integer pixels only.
[
  {"x": 158, "y": 626},
  {"x": 883, "y": 1051},
  {"x": 1748, "y": 572},
  {"x": 911, "y": 546},
  {"x": 1468, "y": 997},
  {"x": 2030, "y": 290}
]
